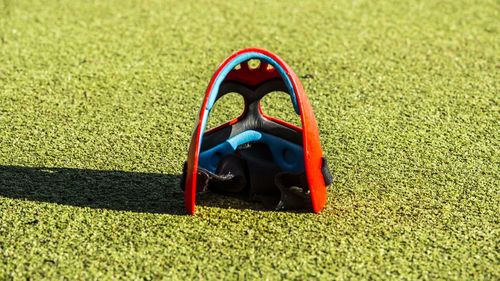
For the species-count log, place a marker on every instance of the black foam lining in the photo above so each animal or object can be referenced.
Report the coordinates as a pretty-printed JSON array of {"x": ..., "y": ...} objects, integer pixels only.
[{"x": 252, "y": 175}]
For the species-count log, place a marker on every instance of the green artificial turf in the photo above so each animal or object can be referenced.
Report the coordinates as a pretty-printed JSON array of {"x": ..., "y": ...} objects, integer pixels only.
[{"x": 98, "y": 101}]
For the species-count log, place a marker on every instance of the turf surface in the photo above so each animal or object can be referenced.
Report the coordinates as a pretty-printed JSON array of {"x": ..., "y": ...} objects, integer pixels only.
[{"x": 97, "y": 104}]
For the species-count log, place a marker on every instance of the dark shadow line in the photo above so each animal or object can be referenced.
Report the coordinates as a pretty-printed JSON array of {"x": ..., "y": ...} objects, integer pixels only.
[{"x": 114, "y": 190}]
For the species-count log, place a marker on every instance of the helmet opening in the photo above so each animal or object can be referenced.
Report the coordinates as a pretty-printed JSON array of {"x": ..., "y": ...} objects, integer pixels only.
[{"x": 254, "y": 156}]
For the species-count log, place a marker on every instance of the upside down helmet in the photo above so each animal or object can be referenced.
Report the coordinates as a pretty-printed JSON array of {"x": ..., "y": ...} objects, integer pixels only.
[{"x": 255, "y": 156}]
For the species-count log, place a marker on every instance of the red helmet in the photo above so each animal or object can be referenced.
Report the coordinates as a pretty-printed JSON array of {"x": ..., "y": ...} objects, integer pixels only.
[{"x": 255, "y": 156}]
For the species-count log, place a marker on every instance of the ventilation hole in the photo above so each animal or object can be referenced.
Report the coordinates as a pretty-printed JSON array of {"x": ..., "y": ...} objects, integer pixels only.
[
  {"x": 237, "y": 67},
  {"x": 253, "y": 64},
  {"x": 279, "y": 105},
  {"x": 269, "y": 67},
  {"x": 227, "y": 108}
]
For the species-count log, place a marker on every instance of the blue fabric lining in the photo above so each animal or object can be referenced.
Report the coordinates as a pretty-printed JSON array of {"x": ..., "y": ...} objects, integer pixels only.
[{"x": 287, "y": 155}]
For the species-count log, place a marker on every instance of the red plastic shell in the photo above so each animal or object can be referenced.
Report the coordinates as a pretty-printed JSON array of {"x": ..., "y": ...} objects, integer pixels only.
[{"x": 310, "y": 134}]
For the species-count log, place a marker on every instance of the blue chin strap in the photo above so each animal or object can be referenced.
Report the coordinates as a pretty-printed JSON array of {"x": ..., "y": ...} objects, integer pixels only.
[{"x": 284, "y": 152}]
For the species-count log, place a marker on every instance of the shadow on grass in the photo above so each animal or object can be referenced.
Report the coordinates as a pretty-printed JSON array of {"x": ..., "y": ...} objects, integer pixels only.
[
  {"x": 215, "y": 200},
  {"x": 220, "y": 201},
  {"x": 114, "y": 190}
]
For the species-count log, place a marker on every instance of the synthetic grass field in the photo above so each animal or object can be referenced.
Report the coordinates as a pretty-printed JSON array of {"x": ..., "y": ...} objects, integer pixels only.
[{"x": 97, "y": 104}]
